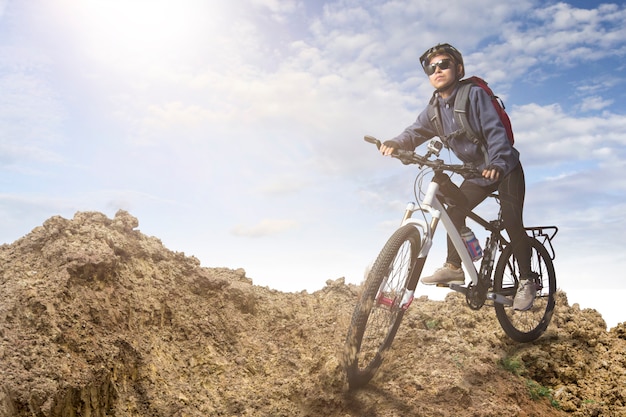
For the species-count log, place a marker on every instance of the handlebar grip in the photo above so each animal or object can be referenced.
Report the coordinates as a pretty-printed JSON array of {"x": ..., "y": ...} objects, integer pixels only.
[{"x": 372, "y": 139}]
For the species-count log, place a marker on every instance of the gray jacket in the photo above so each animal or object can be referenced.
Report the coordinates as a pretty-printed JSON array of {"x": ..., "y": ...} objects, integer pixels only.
[{"x": 484, "y": 120}]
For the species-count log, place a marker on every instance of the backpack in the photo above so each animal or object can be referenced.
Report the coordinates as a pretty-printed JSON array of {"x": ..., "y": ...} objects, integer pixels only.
[{"x": 461, "y": 108}]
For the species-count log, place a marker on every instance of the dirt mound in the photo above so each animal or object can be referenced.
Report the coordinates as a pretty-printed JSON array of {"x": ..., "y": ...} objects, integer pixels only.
[{"x": 97, "y": 319}]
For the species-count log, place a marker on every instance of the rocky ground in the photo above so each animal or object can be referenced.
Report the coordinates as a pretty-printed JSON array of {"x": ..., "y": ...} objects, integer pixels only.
[{"x": 97, "y": 319}]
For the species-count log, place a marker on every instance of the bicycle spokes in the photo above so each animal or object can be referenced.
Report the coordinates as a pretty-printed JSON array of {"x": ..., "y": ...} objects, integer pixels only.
[
  {"x": 525, "y": 326},
  {"x": 377, "y": 316}
]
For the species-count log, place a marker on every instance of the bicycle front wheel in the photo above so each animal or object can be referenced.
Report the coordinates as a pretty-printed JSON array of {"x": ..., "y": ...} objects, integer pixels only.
[
  {"x": 525, "y": 326},
  {"x": 378, "y": 312}
]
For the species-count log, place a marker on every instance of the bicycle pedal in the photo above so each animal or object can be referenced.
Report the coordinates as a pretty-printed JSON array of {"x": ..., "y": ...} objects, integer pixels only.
[{"x": 458, "y": 288}]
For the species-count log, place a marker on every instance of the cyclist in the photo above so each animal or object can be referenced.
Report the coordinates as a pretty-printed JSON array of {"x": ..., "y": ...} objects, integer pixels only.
[{"x": 503, "y": 172}]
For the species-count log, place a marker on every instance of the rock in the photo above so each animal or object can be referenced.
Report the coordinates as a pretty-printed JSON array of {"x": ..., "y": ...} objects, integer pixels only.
[{"x": 97, "y": 319}]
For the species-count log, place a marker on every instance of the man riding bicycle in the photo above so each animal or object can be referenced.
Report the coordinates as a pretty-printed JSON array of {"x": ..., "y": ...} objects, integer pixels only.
[{"x": 501, "y": 168}]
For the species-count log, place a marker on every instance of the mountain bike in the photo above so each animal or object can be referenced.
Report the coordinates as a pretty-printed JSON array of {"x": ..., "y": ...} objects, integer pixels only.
[{"x": 389, "y": 287}]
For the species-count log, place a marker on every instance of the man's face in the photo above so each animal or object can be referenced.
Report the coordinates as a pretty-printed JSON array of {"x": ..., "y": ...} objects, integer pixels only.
[{"x": 444, "y": 74}]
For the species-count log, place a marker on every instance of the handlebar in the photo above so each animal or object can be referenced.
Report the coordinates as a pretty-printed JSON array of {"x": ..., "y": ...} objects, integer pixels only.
[{"x": 412, "y": 158}]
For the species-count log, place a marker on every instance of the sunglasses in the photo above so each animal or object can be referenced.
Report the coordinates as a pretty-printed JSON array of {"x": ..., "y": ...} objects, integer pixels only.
[{"x": 444, "y": 64}]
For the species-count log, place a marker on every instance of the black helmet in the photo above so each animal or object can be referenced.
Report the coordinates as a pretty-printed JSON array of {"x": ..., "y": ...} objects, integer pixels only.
[{"x": 447, "y": 49}]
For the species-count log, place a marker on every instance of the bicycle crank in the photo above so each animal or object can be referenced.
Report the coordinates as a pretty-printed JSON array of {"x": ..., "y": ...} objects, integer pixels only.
[{"x": 476, "y": 296}]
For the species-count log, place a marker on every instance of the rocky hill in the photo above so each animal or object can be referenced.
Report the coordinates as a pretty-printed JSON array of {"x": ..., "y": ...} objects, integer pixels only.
[{"x": 97, "y": 319}]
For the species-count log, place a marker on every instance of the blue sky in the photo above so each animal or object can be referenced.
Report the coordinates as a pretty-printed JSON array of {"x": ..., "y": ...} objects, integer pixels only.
[{"x": 233, "y": 132}]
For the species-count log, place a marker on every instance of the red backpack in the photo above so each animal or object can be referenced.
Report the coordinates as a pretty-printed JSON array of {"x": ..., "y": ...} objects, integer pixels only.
[{"x": 461, "y": 108}]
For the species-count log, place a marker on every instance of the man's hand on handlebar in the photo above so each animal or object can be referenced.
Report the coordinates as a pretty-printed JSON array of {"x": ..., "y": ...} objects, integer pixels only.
[
  {"x": 491, "y": 173},
  {"x": 386, "y": 150}
]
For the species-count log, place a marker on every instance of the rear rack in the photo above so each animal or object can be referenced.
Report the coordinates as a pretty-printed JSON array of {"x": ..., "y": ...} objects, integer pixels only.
[{"x": 544, "y": 234}]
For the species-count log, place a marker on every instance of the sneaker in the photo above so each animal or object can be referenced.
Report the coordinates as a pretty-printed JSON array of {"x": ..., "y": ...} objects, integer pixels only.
[
  {"x": 525, "y": 295},
  {"x": 445, "y": 276}
]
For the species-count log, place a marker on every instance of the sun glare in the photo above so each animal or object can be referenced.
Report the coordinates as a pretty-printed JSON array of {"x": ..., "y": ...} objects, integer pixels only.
[{"x": 139, "y": 31}]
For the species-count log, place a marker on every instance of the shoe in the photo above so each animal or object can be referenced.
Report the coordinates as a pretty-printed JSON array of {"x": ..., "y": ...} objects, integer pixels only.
[
  {"x": 445, "y": 276},
  {"x": 525, "y": 295}
]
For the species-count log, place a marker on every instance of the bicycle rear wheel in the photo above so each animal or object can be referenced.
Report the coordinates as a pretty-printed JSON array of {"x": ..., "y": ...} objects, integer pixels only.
[
  {"x": 378, "y": 313},
  {"x": 525, "y": 326}
]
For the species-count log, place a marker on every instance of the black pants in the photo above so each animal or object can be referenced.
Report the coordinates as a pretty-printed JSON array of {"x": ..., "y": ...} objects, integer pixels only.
[{"x": 511, "y": 189}]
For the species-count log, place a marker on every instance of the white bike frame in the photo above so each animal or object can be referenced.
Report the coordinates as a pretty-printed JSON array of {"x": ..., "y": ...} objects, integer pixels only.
[{"x": 431, "y": 205}]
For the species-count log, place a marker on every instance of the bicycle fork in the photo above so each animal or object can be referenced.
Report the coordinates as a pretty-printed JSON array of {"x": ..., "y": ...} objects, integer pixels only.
[{"x": 418, "y": 264}]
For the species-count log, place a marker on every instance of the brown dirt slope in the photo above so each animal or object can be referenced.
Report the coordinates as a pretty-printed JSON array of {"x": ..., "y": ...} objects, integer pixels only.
[{"x": 97, "y": 319}]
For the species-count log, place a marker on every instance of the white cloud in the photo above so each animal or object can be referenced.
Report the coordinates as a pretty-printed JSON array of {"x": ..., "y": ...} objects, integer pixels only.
[
  {"x": 32, "y": 117},
  {"x": 594, "y": 103},
  {"x": 285, "y": 184},
  {"x": 280, "y": 9},
  {"x": 547, "y": 135},
  {"x": 265, "y": 227}
]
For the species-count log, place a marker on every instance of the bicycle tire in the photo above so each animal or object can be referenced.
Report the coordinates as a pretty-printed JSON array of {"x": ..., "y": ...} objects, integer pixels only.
[
  {"x": 525, "y": 326},
  {"x": 377, "y": 314}
]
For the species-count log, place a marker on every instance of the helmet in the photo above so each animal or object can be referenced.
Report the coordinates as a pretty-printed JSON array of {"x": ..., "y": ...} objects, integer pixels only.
[{"x": 447, "y": 49}]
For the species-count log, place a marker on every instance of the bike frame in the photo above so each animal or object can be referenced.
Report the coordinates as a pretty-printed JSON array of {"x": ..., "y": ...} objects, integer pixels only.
[{"x": 431, "y": 205}]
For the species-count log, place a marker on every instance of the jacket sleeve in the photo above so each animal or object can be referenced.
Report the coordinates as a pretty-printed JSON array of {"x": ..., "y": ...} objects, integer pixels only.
[
  {"x": 414, "y": 135},
  {"x": 485, "y": 119}
]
